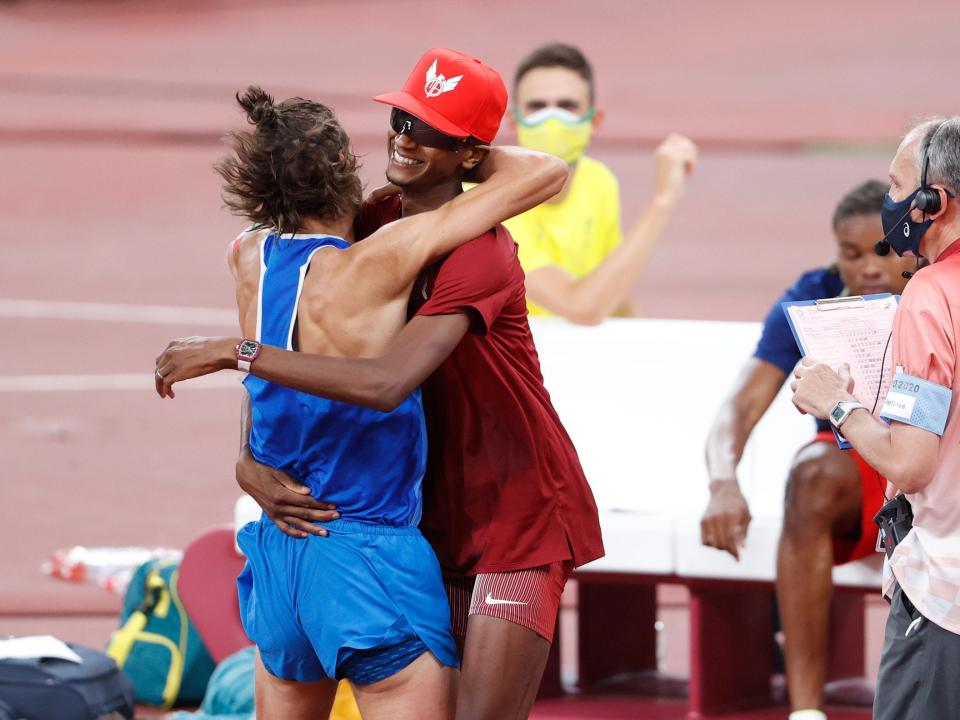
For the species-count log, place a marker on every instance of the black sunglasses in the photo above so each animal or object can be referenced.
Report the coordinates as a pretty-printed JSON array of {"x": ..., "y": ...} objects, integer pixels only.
[{"x": 403, "y": 123}]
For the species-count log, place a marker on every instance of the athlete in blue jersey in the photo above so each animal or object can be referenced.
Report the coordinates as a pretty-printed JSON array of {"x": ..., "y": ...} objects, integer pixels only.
[
  {"x": 368, "y": 464},
  {"x": 367, "y": 602}
]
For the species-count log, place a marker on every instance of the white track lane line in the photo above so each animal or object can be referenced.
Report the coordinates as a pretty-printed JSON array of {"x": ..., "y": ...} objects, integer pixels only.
[
  {"x": 114, "y": 381},
  {"x": 112, "y": 312},
  {"x": 115, "y": 312}
]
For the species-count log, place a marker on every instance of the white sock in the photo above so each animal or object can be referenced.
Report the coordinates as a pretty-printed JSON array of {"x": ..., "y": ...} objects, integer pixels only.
[{"x": 808, "y": 715}]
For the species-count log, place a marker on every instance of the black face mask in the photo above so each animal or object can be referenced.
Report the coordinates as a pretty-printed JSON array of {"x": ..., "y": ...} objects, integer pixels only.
[
  {"x": 899, "y": 230},
  {"x": 403, "y": 123}
]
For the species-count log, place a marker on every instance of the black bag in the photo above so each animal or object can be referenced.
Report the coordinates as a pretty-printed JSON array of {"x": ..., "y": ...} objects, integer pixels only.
[{"x": 55, "y": 689}]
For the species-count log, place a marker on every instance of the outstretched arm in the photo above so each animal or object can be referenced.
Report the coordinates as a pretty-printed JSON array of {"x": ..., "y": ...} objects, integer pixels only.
[
  {"x": 380, "y": 383},
  {"x": 725, "y": 521},
  {"x": 513, "y": 180},
  {"x": 590, "y": 299}
]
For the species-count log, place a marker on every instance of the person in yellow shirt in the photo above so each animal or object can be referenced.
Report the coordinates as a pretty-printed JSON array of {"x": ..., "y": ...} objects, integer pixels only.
[{"x": 578, "y": 264}]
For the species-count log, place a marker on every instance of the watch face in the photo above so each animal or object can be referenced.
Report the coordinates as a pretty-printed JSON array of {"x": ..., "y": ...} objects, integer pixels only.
[
  {"x": 837, "y": 414},
  {"x": 247, "y": 349}
]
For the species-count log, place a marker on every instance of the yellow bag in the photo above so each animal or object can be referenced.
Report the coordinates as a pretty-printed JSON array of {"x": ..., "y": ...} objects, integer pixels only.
[{"x": 345, "y": 707}]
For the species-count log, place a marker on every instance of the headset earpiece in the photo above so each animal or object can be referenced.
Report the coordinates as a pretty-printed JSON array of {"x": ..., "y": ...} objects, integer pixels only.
[{"x": 927, "y": 201}]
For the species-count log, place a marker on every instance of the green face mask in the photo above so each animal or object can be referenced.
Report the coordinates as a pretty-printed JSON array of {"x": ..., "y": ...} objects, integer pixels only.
[{"x": 556, "y": 131}]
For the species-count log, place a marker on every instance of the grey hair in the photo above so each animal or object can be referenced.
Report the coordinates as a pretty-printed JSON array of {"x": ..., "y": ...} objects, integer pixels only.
[{"x": 939, "y": 137}]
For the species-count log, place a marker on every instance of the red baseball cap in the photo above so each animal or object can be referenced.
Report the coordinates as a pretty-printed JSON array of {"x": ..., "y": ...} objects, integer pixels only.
[{"x": 455, "y": 93}]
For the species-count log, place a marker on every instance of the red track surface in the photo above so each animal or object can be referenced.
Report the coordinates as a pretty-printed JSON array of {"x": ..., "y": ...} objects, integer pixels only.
[
  {"x": 619, "y": 708},
  {"x": 111, "y": 113}
]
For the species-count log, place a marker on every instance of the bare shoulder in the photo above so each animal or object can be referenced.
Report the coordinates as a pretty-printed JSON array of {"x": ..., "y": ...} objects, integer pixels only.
[
  {"x": 378, "y": 257},
  {"x": 243, "y": 258},
  {"x": 329, "y": 274},
  {"x": 243, "y": 253},
  {"x": 249, "y": 240},
  {"x": 340, "y": 308},
  {"x": 357, "y": 280},
  {"x": 387, "y": 237}
]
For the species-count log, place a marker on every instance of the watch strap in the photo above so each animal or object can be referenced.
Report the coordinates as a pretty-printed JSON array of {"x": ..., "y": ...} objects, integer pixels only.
[
  {"x": 247, "y": 351},
  {"x": 846, "y": 407}
]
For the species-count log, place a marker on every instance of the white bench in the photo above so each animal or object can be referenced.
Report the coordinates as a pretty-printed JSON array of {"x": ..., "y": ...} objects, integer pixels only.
[{"x": 638, "y": 397}]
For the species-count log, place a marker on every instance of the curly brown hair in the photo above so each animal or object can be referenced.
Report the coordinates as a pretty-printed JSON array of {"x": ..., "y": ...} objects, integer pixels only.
[{"x": 296, "y": 163}]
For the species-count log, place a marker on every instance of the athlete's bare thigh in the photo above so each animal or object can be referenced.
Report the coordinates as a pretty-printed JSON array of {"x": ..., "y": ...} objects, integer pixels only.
[
  {"x": 424, "y": 690},
  {"x": 512, "y": 616},
  {"x": 278, "y": 699},
  {"x": 502, "y": 666}
]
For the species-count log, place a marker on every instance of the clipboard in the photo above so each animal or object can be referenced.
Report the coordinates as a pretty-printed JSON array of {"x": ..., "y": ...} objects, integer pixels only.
[{"x": 857, "y": 330}]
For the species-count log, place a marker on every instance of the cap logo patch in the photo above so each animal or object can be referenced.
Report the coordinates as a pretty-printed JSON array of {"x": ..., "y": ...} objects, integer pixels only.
[{"x": 437, "y": 85}]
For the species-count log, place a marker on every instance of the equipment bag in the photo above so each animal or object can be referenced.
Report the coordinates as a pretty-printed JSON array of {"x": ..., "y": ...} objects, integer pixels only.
[
  {"x": 6, "y": 712},
  {"x": 156, "y": 645},
  {"x": 230, "y": 692},
  {"x": 56, "y": 689}
]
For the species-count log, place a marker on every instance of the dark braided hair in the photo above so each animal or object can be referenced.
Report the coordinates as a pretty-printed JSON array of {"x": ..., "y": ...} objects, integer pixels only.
[
  {"x": 296, "y": 163},
  {"x": 865, "y": 199}
]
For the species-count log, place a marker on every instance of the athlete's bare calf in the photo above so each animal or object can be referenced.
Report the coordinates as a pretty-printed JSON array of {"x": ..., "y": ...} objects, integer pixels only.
[
  {"x": 822, "y": 502},
  {"x": 501, "y": 670}
]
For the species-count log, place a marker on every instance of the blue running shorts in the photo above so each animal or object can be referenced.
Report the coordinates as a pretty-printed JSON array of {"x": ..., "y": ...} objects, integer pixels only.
[{"x": 361, "y": 604}]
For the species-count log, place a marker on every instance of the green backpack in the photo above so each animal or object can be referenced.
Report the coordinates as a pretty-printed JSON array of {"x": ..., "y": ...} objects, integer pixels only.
[{"x": 156, "y": 645}]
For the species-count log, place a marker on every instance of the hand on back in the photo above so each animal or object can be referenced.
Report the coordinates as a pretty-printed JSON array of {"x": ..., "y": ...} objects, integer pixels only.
[{"x": 285, "y": 501}]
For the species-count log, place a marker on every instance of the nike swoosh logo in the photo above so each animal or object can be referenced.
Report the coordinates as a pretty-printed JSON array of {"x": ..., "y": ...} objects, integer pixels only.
[{"x": 490, "y": 600}]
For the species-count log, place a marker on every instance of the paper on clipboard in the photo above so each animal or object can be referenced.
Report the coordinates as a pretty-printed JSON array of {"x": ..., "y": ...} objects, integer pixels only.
[{"x": 856, "y": 330}]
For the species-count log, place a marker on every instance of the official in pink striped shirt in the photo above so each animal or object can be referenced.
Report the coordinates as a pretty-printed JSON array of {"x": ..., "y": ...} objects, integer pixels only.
[{"x": 919, "y": 449}]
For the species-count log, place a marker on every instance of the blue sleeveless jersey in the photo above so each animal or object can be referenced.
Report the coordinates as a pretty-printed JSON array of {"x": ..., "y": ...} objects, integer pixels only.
[{"x": 369, "y": 464}]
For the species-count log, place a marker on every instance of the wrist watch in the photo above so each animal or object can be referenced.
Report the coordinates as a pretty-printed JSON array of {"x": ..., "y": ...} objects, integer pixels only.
[
  {"x": 247, "y": 352},
  {"x": 842, "y": 410}
]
